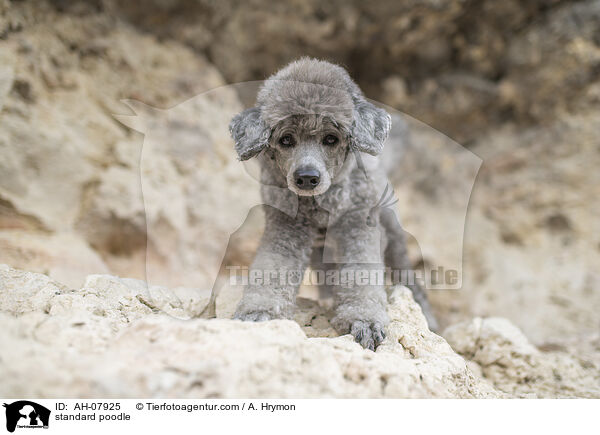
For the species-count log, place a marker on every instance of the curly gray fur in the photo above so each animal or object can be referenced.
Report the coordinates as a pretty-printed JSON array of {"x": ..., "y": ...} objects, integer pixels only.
[{"x": 337, "y": 223}]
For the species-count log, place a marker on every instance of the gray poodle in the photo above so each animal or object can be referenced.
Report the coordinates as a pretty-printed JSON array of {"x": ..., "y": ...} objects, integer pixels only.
[{"x": 319, "y": 140}]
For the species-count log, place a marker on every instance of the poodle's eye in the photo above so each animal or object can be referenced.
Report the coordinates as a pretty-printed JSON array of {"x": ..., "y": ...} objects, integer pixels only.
[
  {"x": 330, "y": 139},
  {"x": 286, "y": 141}
]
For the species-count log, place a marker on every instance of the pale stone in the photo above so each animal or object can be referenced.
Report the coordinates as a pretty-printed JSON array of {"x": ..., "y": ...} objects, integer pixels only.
[
  {"x": 121, "y": 338},
  {"x": 515, "y": 366}
]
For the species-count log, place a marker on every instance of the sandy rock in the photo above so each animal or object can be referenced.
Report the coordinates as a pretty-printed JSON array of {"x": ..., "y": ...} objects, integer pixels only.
[
  {"x": 88, "y": 342},
  {"x": 141, "y": 203},
  {"x": 516, "y": 367},
  {"x": 531, "y": 253},
  {"x": 24, "y": 292},
  {"x": 64, "y": 257},
  {"x": 195, "y": 191}
]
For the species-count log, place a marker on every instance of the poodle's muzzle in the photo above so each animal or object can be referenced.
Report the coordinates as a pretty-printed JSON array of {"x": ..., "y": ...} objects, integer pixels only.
[{"x": 307, "y": 175}]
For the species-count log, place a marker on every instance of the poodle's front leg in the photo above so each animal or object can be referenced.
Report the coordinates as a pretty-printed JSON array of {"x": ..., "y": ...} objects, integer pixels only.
[
  {"x": 277, "y": 269},
  {"x": 360, "y": 298}
]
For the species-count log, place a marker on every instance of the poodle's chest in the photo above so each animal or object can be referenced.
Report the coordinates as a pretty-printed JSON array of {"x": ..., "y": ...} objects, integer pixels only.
[
  {"x": 318, "y": 218},
  {"x": 314, "y": 214}
]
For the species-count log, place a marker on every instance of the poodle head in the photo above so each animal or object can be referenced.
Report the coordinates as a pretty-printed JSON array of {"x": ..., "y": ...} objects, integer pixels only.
[{"x": 308, "y": 118}]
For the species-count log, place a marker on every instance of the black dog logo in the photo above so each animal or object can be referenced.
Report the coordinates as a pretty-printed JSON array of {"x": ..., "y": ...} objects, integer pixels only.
[{"x": 26, "y": 414}]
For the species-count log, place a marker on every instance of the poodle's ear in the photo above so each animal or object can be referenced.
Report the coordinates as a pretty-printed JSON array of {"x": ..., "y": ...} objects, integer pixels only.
[
  {"x": 250, "y": 133},
  {"x": 370, "y": 128}
]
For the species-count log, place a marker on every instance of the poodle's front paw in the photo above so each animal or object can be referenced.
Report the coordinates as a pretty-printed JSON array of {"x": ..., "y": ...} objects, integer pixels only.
[
  {"x": 258, "y": 308},
  {"x": 368, "y": 335},
  {"x": 253, "y": 316}
]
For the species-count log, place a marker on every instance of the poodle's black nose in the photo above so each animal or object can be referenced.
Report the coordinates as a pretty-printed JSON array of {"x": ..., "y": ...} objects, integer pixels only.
[{"x": 307, "y": 178}]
